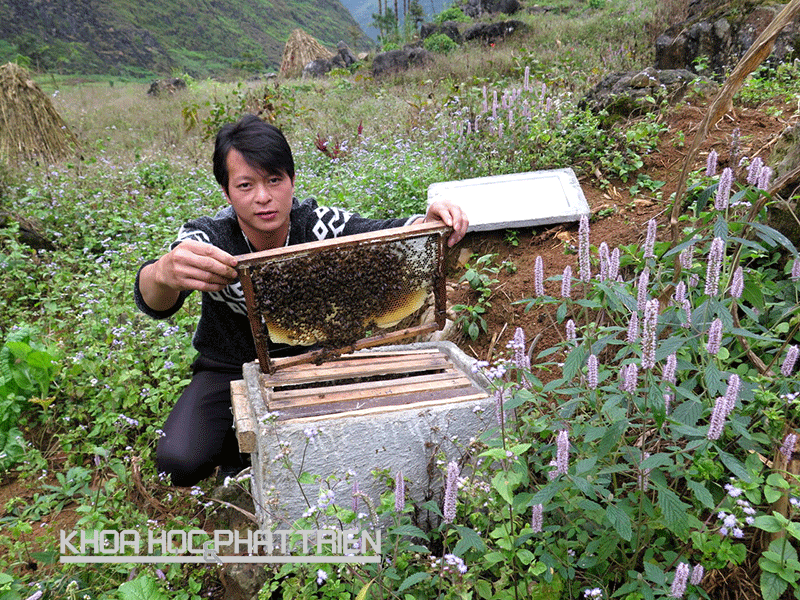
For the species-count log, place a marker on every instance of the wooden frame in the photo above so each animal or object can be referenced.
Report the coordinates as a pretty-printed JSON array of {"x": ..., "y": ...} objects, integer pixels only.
[{"x": 247, "y": 262}]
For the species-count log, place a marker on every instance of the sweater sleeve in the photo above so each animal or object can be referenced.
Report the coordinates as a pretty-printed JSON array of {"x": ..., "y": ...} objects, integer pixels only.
[{"x": 142, "y": 305}]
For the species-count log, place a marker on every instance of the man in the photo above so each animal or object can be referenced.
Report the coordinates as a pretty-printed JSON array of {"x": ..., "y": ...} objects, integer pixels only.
[{"x": 253, "y": 164}]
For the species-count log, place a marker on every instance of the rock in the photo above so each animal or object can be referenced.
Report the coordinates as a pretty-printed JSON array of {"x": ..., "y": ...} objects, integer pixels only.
[
  {"x": 721, "y": 35},
  {"x": 449, "y": 28},
  {"x": 490, "y": 33},
  {"x": 633, "y": 92},
  {"x": 322, "y": 66},
  {"x": 394, "y": 61},
  {"x": 317, "y": 68},
  {"x": 30, "y": 231},
  {"x": 169, "y": 86},
  {"x": 344, "y": 55},
  {"x": 242, "y": 581}
]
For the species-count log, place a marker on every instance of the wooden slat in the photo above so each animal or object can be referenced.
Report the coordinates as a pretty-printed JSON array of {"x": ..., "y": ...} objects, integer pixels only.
[
  {"x": 337, "y": 410},
  {"x": 369, "y": 367},
  {"x": 243, "y": 417},
  {"x": 396, "y": 387}
]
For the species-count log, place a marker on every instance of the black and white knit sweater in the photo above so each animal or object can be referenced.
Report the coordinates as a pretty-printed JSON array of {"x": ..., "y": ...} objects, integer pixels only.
[{"x": 223, "y": 333}]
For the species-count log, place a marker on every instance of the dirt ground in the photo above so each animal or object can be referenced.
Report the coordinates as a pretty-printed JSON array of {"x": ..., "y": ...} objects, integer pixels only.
[{"x": 618, "y": 218}]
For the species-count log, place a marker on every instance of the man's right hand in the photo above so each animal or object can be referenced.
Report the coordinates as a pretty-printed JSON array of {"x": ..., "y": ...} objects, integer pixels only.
[{"x": 192, "y": 265}]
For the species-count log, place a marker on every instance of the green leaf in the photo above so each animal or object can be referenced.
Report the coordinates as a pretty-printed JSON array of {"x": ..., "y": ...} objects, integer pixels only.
[
  {"x": 500, "y": 483},
  {"x": 469, "y": 540},
  {"x": 768, "y": 523},
  {"x": 411, "y": 530},
  {"x": 701, "y": 493},
  {"x": 484, "y": 589},
  {"x": 675, "y": 512},
  {"x": 620, "y": 521},
  {"x": 525, "y": 556},
  {"x": 413, "y": 580},
  {"x": 141, "y": 588},
  {"x": 772, "y": 586},
  {"x": 363, "y": 593},
  {"x": 735, "y": 466}
]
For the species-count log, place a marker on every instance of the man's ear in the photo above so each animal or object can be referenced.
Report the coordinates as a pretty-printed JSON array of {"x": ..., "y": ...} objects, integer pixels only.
[{"x": 225, "y": 193}]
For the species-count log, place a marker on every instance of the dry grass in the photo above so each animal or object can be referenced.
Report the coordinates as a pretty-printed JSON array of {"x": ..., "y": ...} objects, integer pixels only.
[
  {"x": 30, "y": 126},
  {"x": 301, "y": 49}
]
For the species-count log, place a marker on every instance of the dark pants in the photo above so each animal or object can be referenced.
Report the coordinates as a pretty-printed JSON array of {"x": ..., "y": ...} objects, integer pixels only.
[{"x": 199, "y": 435}]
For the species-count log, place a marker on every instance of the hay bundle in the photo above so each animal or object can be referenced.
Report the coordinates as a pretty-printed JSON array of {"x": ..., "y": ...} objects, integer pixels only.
[
  {"x": 301, "y": 49},
  {"x": 30, "y": 127}
]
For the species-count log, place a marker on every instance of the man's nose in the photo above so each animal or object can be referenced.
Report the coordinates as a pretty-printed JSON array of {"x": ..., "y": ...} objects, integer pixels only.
[{"x": 263, "y": 194}]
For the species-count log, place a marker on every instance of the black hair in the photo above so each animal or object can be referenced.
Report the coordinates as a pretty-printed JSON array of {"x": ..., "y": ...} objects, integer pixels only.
[{"x": 262, "y": 145}]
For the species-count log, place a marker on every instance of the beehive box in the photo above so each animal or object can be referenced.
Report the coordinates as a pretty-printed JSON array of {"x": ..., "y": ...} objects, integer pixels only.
[{"x": 394, "y": 407}]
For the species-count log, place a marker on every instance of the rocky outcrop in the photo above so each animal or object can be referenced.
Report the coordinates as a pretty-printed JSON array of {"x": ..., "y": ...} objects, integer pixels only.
[
  {"x": 449, "y": 28},
  {"x": 716, "y": 37},
  {"x": 490, "y": 33},
  {"x": 394, "y": 61},
  {"x": 477, "y": 8},
  {"x": 342, "y": 60},
  {"x": 634, "y": 92},
  {"x": 166, "y": 86}
]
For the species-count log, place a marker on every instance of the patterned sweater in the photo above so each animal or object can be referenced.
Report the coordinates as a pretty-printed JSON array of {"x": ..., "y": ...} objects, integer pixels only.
[{"x": 223, "y": 333}]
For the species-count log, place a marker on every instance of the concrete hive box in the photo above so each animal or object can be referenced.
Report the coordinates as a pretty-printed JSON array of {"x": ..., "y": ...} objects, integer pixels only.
[{"x": 395, "y": 407}]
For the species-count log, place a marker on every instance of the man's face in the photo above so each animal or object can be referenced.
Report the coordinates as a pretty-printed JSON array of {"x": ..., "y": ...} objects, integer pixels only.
[{"x": 262, "y": 201}]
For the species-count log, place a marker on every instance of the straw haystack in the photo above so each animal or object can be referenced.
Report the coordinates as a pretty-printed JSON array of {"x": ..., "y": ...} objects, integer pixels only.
[
  {"x": 30, "y": 127},
  {"x": 300, "y": 50}
]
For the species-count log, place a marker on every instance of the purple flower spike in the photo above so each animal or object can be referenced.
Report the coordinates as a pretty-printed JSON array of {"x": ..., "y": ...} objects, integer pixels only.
[
  {"x": 714, "y": 337},
  {"x": 679, "y": 582},
  {"x": 537, "y": 518},
  {"x": 788, "y": 446},
  {"x": 764, "y": 178},
  {"x": 633, "y": 329},
  {"x": 668, "y": 374},
  {"x": 686, "y": 257},
  {"x": 724, "y": 189},
  {"x": 649, "y": 334},
  {"x": 697, "y": 575},
  {"x": 538, "y": 277},
  {"x": 795, "y": 275},
  {"x": 737, "y": 283},
  {"x": 631, "y": 378},
  {"x": 718, "y": 417},
  {"x": 732, "y": 393},
  {"x": 787, "y": 368},
  {"x": 399, "y": 493},
  {"x": 644, "y": 474},
  {"x": 566, "y": 282},
  {"x": 613, "y": 265},
  {"x": 715, "y": 255},
  {"x": 584, "y": 267},
  {"x": 754, "y": 170},
  {"x": 451, "y": 492},
  {"x": 562, "y": 452},
  {"x": 571, "y": 333},
  {"x": 592, "y": 376},
  {"x": 711, "y": 164},
  {"x": 650, "y": 240},
  {"x": 605, "y": 261},
  {"x": 644, "y": 281}
]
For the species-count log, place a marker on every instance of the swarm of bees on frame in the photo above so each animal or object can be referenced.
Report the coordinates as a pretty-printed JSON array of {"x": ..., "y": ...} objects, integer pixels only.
[{"x": 337, "y": 297}]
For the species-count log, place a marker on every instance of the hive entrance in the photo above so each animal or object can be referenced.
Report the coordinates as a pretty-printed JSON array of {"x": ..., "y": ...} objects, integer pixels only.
[{"x": 343, "y": 294}]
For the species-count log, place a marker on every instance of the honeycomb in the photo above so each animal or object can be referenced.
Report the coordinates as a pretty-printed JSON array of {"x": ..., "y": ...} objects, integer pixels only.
[{"x": 337, "y": 296}]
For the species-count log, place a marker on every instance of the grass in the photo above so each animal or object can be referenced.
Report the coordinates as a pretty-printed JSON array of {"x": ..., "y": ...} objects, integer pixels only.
[{"x": 93, "y": 380}]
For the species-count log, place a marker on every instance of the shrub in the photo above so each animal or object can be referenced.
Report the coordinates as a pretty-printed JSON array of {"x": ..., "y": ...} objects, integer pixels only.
[
  {"x": 451, "y": 14},
  {"x": 439, "y": 42}
]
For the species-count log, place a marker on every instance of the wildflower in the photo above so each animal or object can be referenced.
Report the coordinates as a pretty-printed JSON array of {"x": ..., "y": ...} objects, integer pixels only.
[
  {"x": 562, "y": 452},
  {"x": 538, "y": 277},
  {"x": 311, "y": 433},
  {"x": 754, "y": 170},
  {"x": 650, "y": 240},
  {"x": 613, "y": 265},
  {"x": 517, "y": 344},
  {"x": 450, "y": 492},
  {"x": 714, "y": 337},
  {"x": 733, "y": 491},
  {"x": 322, "y": 576},
  {"x": 668, "y": 374},
  {"x": 633, "y": 329},
  {"x": 764, "y": 177},
  {"x": 35, "y": 595},
  {"x": 631, "y": 378},
  {"x": 787, "y": 368},
  {"x": 604, "y": 261},
  {"x": 724, "y": 189},
  {"x": 711, "y": 164},
  {"x": 718, "y": 417},
  {"x": 566, "y": 282},
  {"x": 679, "y": 582},
  {"x": 160, "y": 574},
  {"x": 644, "y": 280},
  {"x": 697, "y": 575},
  {"x": 571, "y": 334},
  {"x": 591, "y": 377},
  {"x": 686, "y": 257},
  {"x": 737, "y": 283},
  {"x": 325, "y": 498},
  {"x": 714, "y": 266},
  {"x": 789, "y": 443},
  {"x": 498, "y": 405},
  {"x": 593, "y": 593},
  {"x": 451, "y": 560},
  {"x": 649, "y": 334},
  {"x": 667, "y": 403},
  {"x": 795, "y": 274},
  {"x": 732, "y": 393},
  {"x": 584, "y": 268},
  {"x": 399, "y": 493},
  {"x": 537, "y": 518}
]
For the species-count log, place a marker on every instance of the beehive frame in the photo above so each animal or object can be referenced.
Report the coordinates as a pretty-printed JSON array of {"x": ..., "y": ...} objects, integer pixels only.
[{"x": 250, "y": 266}]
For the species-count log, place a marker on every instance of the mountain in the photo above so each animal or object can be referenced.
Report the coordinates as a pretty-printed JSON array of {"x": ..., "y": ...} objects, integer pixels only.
[
  {"x": 146, "y": 37},
  {"x": 362, "y": 11}
]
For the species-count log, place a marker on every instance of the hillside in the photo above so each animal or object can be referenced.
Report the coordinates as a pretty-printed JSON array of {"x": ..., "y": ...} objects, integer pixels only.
[{"x": 199, "y": 37}]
